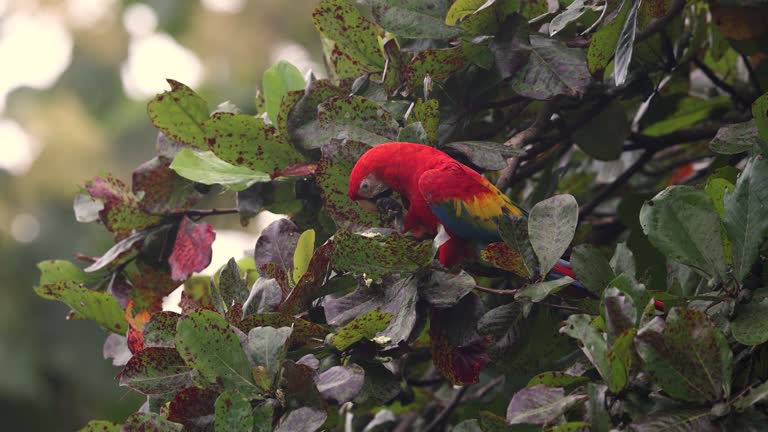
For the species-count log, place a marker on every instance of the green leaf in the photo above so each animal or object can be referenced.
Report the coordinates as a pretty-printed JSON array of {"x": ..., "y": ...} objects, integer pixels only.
[
  {"x": 689, "y": 359},
  {"x": 514, "y": 231},
  {"x": 486, "y": 154},
  {"x": 262, "y": 417},
  {"x": 267, "y": 347},
  {"x": 750, "y": 327},
  {"x": 206, "y": 168},
  {"x": 477, "y": 16},
  {"x": 304, "y": 250},
  {"x": 376, "y": 255},
  {"x": 446, "y": 289},
  {"x": 745, "y": 218},
  {"x": 247, "y": 141},
  {"x": 597, "y": 140},
  {"x": 687, "y": 111},
  {"x": 620, "y": 360},
  {"x": 428, "y": 114},
  {"x": 355, "y": 118},
  {"x": 592, "y": 268},
  {"x": 604, "y": 42},
  {"x": 551, "y": 226},
  {"x": 101, "y": 426},
  {"x": 623, "y": 260},
  {"x": 356, "y": 38},
  {"x": 760, "y": 114},
  {"x": 539, "y": 291},
  {"x": 160, "y": 330},
  {"x": 557, "y": 379},
  {"x": 413, "y": 133},
  {"x": 678, "y": 420},
  {"x": 573, "y": 12},
  {"x": 363, "y": 327},
  {"x": 277, "y": 81},
  {"x": 303, "y": 419},
  {"x": 230, "y": 286},
  {"x": 233, "y": 412},
  {"x": 154, "y": 371},
  {"x": 122, "y": 211},
  {"x": 736, "y": 138},
  {"x": 52, "y": 271},
  {"x": 97, "y": 306},
  {"x": 207, "y": 344},
  {"x": 575, "y": 426},
  {"x": 635, "y": 290},
  {"x": 141, "y": 422},
  {"x": 540, "y": 404},
  {"x": 179, "y": 114},
  {"x": 413, "y": 19},
  {"x": 682, "y": 223},
  {"x": 502, "y": 256},
  {"x": 438, "y": 64},
  {"x": 593, "y": 343}
]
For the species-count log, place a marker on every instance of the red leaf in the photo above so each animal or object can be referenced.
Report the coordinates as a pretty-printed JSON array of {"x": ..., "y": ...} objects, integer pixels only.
[
  {"x": 190, "y": 404},
  {"x": 192, "y": 249},
  {"x": 299, "y": 169},
  {"x": 122, "y": 212},
  {"x": 135, "y": 340}
]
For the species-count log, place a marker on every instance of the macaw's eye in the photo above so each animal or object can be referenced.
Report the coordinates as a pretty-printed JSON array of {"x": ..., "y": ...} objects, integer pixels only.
[{"x": 364, "y": 186}]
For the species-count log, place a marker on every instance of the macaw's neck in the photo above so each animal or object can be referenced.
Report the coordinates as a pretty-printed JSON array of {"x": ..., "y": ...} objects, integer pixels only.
[{"x": 405, "y": 163}]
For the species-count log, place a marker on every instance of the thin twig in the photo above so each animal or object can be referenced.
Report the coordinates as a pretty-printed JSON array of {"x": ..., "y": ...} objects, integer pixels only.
[
  {"x": 657, "y": 143},
  {"x": 496, "y": 291},
  {"x": 716, "y": 80},
  {"x": 198, "y": 214},
  {"x": 525, "y": 136},
  {"x": 609, "y": 190},
  {"x": 532, "y": 167},
  {"x": 447, "y": 411},
  {"x": 482, "y": 391}
]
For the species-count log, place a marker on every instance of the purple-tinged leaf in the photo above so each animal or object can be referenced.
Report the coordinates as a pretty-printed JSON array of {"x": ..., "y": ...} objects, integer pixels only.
[
  {"x": 304, "y": 419},
  {"x": 265, "y": 296},
  {"x": 161, "y": 189},
  {"x": 122, "y": 210},
  {"x": 311, "y": 282},
  {"x": 160, "y": 330},
  {"x": 267, "y": 347},
  {"x": 340, "y": 383},
  {"x": 276, "y": 245},
  {"x": 446, "y": 289},
  {"x": 192, "y": 406},
  {"x": 120, "y": 252},
  {"x": 192, "y": 249},
  {"x": 304, "y": 332},
  {"x": 149, "y": 422},
  {"x": 86, "y": 208}
]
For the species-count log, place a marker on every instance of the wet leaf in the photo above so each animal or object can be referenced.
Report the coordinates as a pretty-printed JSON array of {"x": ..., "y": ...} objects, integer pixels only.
[
  {"x": 340, "y": 383},
  {"x": 689, "y": 358},
  {"x": 97, "y": 306},
  {"x": 207, "y": 344},
  {"x": 625, "y": 45},
  {"x": 206, "y": 168},
  {"x": 192, "y": 249},
  {"x": 551, "y": 226},
  {"x": 156, "y": 371},
  {"x": 682, "y": 223},
  {"x": 179, "y": 114}
]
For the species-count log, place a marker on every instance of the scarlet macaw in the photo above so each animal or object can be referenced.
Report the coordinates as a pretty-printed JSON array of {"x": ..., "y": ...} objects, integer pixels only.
[{"x": 437, "y": 189}]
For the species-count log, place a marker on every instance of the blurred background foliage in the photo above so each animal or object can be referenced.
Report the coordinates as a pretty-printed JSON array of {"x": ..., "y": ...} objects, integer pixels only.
[{"x": 75, "y": 78}]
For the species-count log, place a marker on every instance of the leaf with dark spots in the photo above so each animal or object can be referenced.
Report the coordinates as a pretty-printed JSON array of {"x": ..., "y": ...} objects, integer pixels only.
[
  {"x": 98, "y": 306},
  {"x": 179, "y": 114},
  {"x": 267, "y": 347},
  {"x": 551, "y": 227},
  {"x": 486, "y": 154},
  {"x": 333, "y": 171},
  {"x": 121, "y": 252},
  {"x": 304, "y": 332},
  {"x": 289, "y": 101},
  {"x": 557, "y": 379},
  {"x": 502, "y": 256},
  {"x": 438, "y": 64},
  {"x": 160, "y": 330},
  {"x": 191, "y": 405},
  {"x": 414, "y": 19},
  {"x": 514, "y": 232},
  {"x": 354, "y": 36},
  {"x": 540, "y": 404},
  {"x": 231, "y": 287},
  {"x": 207, "y": 344},
  {"x": 150, "y": 282},
  {"x": 192, "y": 249},
  {"x": 161, "y": 189},
  {"x": 446, "y": 289},
  {"x": 354, "y": 118},
  {"x": 302, "y": 120},
  {"x": 592, "y": 268},
  {"x": 689, "y": 358},
  {"x": 340, "y": 383},
  {"x": 122, "y": 211},
  {"x": 602, "y": 47},
  {"x": 620, "y": 360},
  {"x": 276, "y": 245},
  {"x": 299, "y": 169},
  {"x": 149, "y": 422},
  {"x": 304, "y": 419},
  {"x": 311, "y": 282},
  {"x": 156, "y": 371},
  {"x": 363, "y": 327},
  {"x": 377, "y": 254},
  {"x": 592, "y": 342},
  {"x": 243, "y": 140},
  {"x": 101, "y": 426},
  {"x": 458, "y": 351},
  {"x": 232, "y": 412}
]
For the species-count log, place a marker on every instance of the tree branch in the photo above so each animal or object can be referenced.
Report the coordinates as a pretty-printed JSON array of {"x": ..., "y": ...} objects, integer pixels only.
[
  {"x": 752, "y": 75},
  {"x": 496, "y": 291},
  {"x": 523, "y": 137},
  {"x": 609, "y": 190},
  {"x": 719, "y": 82},
  {"x": 447, "y": 411},
  {"x": 658, "y": 24},
  {"x": 657, "y": 143},
  {"x": 198, "y": 214}
]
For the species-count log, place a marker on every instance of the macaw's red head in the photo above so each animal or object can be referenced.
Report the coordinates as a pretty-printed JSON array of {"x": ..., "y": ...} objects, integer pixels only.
[{"x": 366, "y": 184}]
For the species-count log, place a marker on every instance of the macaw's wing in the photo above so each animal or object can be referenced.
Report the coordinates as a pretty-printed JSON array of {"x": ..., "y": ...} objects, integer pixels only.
[{"x": 465, "y": 202}]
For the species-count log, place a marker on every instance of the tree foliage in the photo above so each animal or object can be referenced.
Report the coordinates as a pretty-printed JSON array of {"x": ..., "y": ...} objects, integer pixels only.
[{"x": 634, "y": 131}]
